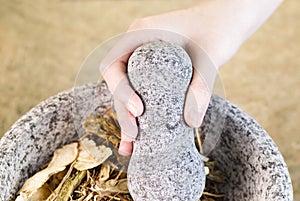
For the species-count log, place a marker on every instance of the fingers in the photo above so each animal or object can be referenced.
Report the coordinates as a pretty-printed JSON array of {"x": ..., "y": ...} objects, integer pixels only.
[
  {"x": 129, "y": 128},
  {"x": 125, "y": 148},
  {"x": 124, "y": 94},
  {"x": 128, "y": 105},
  {"x": 113, "y": 70},
  {"x": 197, "y": 100},
  {"x": 199, "y": 91},
  {"x": 127, "y": 121}
]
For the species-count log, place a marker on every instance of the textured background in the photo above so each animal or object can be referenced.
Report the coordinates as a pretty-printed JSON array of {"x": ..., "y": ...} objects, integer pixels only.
[{"x": 43, "y": 44}]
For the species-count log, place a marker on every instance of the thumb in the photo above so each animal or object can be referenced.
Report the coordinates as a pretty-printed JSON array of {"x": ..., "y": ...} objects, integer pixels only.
[{"x": 197, "y": 100}]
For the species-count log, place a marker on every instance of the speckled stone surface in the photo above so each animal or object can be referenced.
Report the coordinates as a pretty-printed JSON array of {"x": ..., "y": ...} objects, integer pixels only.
[
  {"x": 250, "y": 158},
  {"x": 245, "y": 152},
  {"x": 165, "y": 164},
  {"x": 255, "y": 168},
  {"x": 34, "y": 137}
]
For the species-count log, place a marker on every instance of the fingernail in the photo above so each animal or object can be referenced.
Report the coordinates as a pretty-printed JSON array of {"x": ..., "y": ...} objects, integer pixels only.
[{"x": 125, "y": 148}]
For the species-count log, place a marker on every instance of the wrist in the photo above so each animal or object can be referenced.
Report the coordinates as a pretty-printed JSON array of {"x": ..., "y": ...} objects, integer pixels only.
[{"x": 225, "y": 25}]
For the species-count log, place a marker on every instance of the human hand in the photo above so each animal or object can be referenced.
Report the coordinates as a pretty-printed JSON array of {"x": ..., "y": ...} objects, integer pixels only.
[{"x": 210, "y": 32}]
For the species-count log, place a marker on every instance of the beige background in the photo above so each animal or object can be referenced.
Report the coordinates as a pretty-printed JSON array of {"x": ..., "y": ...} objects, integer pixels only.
[{"x": 43, "y": 44}]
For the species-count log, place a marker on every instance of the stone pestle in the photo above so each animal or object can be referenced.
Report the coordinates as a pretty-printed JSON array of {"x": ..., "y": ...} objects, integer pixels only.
[{"x": 165, "y": 164}]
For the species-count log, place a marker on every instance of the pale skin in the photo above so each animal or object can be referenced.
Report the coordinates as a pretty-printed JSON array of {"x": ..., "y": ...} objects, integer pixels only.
[{"x": 219, "y": 27}]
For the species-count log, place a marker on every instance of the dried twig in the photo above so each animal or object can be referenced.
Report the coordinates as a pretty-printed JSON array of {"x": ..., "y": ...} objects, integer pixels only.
[
  {"x": 70, "y": 185},
  {"x": 213, "y": 195},
  {"x": 108, "y": 181},
  {"x": 198, "y": 136}
]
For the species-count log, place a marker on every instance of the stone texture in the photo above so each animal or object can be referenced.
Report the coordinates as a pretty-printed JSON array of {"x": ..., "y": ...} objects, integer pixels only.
[
  {"x": 165, "y": 164},
  {"x": 31, "y": 141},
  {"x": 255, "y": 168},
  {"x": 42, "y": 51},
  {"x": 250, "y": 158}
]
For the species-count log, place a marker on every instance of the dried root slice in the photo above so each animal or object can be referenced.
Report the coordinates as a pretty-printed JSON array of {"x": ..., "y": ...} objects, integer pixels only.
[
  {"x": 40, "y": 194},
  {"x": 91, "y": 155},
  {"x": 89, "y": 178},
  {"x": 62, "y": 157}
]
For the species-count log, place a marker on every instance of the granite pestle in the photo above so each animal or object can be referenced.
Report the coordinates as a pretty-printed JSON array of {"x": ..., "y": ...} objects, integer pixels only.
[{"x": 165, "y": 164}]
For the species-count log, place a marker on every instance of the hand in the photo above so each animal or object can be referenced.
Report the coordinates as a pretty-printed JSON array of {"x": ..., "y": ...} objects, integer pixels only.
[{"x": 211, "y": 32}]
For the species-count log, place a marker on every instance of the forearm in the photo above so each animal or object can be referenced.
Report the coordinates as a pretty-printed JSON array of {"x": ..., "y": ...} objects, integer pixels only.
[
  {"x": 223, "y": 25},
  {"x": 256, "y": 12},
  {"x": 246, "y": 16}
]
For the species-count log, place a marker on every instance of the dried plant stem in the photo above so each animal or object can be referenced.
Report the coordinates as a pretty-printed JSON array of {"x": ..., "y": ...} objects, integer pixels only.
[
  {"x": 109, "y": 185},
  {"x": 199, "y": 140},
  {"x": 70, "y": 185},
  {"x": 213, "y": 195},
  {"x": 119, "y": 174},
  {"x": 108, "y": 110},
  {"x": 114, "y": 197},
  {"x": 54, "y": 194},
  {"x": 89, "y": 197},
  {"x": 84, "y": 136}
]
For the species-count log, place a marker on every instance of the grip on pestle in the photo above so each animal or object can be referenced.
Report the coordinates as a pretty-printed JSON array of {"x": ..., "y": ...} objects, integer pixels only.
[{"x": 165, "y": 164}]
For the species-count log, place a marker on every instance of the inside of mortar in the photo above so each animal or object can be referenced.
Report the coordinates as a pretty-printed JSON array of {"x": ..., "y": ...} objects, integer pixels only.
[{"x": 245, "y": 152}]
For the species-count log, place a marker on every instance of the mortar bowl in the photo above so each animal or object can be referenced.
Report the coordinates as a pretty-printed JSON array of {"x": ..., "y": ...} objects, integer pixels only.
[{"x": 254, "y": 166}]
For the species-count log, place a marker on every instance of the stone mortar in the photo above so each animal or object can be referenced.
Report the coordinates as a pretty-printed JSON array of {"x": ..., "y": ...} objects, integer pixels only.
[
  {"x": 254, "y": 166},
  {"x": 164, "y": 157}
]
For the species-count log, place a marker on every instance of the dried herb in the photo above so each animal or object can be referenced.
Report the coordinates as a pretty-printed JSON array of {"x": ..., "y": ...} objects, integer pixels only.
[
  {"x": 99, "y": 173},
  {"x": 70, "y": 185}
]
